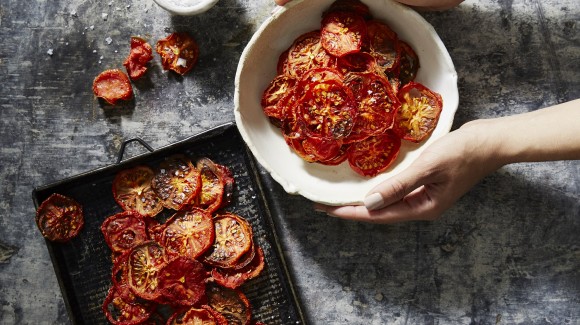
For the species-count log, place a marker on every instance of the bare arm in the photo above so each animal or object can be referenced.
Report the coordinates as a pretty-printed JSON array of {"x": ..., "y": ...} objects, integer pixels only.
[{"x": 452, "y": 165}]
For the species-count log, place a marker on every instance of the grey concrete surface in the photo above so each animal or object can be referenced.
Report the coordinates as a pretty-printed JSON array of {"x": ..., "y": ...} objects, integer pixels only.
[{"x": 507, "y": 253}]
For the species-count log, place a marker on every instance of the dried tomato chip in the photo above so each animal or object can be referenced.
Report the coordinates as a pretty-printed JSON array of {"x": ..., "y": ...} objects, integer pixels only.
[
  {"x": 188, "y": 233},
  {"x": 233, "y": 238},
  {"x": 321, "y": 149},
  {"x": 374, "y": 154},
  {"x": 342, "y": 33},
  {"x": 133, "y": 191},
  {"x": 182, "y": 281},
  {"x": 59, "y": 218},
  {"x": 419, "y": 112},
  {"x": 231, "y": 303},
  {"x": 144, "y": 263},
  {"x": 112, "y": 86},
  {"x": 235, "y": 278},
  {"x": 307, "y": 53},
  {"x": 384, "y": 45},
  {"x": 124, "y": 230},
  {"x": 179, "y": 52},
  {"x": 177, "y": 182},
  {"x": 216, "y": 185},
  {"x": 139, "y": 55},
  {"x": 355, "y": 6},
  {"x": 196, "y": 316},
  {"x": 122, "y": 307},
  {"x": 409, "y": 63}
]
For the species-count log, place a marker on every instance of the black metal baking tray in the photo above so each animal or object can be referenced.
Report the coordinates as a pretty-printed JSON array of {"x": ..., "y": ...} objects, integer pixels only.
[{"x": 83, "y": 265}]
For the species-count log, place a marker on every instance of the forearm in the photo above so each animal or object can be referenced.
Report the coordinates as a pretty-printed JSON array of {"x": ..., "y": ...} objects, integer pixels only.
[{"x": 552, "y": 133}]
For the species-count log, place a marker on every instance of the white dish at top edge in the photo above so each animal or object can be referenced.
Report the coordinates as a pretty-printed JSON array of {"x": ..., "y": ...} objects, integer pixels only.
[
  {"x": 186, "y": 7},
  {"x": 332, "y": 185}
]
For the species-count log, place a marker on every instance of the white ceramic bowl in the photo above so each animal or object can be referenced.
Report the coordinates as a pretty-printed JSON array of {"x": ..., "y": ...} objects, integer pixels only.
[
  {"x": 332, "y": 185},
  {"x": 186, "y": 7}
]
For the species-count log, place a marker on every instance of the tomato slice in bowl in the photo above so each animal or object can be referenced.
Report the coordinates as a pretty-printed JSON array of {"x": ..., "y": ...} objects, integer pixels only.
[
  {"x": 374, "y": 154},
  {"x": 419, "y": 112},
  {"x": 133, "y": 191},
  {"x": 177, "y": 182},
  {"x": 307, "y": 53},
  {"x": 342, "y": 33},
  {"x": 59, "y": 218},
  {"x": 188, "y": 233},
  {"x": 384, "y": 45}
]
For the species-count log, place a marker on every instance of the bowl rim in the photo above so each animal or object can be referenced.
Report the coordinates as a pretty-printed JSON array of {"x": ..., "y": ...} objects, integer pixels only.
[
  {"x": 199, "y": 8},
  {"x": 287, "y": 184}
]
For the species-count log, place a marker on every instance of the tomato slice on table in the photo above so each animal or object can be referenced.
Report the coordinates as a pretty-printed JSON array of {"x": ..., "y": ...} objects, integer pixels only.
[
  {"x": 374, "y": 154},
  {"x": 384, "y": 45},
  {"x": 188, "y": 233},
  {"x": 179, "y": 52},
  {"x": 182, "y": 281},
  {"x": 376, "y": 104},
  {"x": 133, "y": 191},
  {"x": 233, "y": 238},
  {"x": 144, "y": 263},
  {"x": 231, "y": 303},
  {"x": 124, "y": 230},
  {"x": 327, "y": 110},
  {"x": 59, "y": 218},
  {"x": 139, "y": 55},
  {"x": 122, "y": 307},
  {"x": 177, "y": 182},
  {"x": 112, "y": 86},
  {"x": 342, "y": 33},
  {"x": 419, "y": 112},
  {"x": 307, "y": 53}
]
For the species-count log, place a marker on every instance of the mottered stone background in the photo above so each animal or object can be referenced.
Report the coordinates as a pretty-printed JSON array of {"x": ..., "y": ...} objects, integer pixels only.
[{"x": 507, "y": 253}]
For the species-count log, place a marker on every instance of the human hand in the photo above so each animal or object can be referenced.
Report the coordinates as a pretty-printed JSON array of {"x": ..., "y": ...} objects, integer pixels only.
[{"x": 445, "y": 171}]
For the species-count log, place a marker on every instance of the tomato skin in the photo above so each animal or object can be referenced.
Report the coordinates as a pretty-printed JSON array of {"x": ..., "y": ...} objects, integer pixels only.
[
  {"x": 231, "y": 303},
  {"x": 355, "y": 6},
  {"x": 182, "y": 281},
  {"x": 342, "y": 33},
  {"x": 144, "y": 263},
  {"x": 374, "y": 155},
  {"x": 139, "y": 55},
  {"x": 177, "y": 182},
  {"x": 113, "y": 86},
  {"x": 188, "y": 233},
  {"x": 122, "y": 307},
  {"x": 179, "y": 52},
  {"x": 235, "y": 278},
  {"x": 59, "y": 218},
  {"x": 307, "y": 53},
  {"x": 233, "y": 238},
  {"x": 124, "y": 230},
  {"x": 419, "y": 112},
  {"x": 384, "y": 46},
  {"x": 133, "y": 191},
  {"x": 410, "y": 63}
]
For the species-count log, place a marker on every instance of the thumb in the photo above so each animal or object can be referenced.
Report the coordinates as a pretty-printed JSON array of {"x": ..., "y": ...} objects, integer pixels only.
[{"x": 395, "y": 188}]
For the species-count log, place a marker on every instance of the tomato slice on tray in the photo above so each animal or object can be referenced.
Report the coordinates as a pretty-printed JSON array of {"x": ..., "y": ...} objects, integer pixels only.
[
  {"x": 419, "y": 112},
  {"x": 233, "y": 238},
  {"x": 59, "y": 218},
  {"x": 177, "y": 182},
  {"x": 231, "y": 303},
  {"x": 144, "y": 263},
  {"x": 307, "y": 53},
  {"x": 374, "y": 154},
  {"x": 124, "y": 230},
  {"x": 198, "y": 316},
  {"x": 139, "y": 55},
  {"x": 122, "y": 307},
  {"x": 112, "y": 86},
  {"x": 182, "y": 281},
  {"x": 188, "y": 233},
  {"x": 178, "y": 51},
  {"x": 216, "y": 185},
  {"x": 376, "y": 104},
  {"x": 342, "y": 33},
  {"x": 133, "y": 191},
  {"x": 235, "y": 278}
]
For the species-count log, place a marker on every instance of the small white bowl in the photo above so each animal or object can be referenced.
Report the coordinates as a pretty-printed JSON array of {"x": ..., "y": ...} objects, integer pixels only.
[
  {"x": 186, "y": 7},
  {"x": 332, "y": 185}
]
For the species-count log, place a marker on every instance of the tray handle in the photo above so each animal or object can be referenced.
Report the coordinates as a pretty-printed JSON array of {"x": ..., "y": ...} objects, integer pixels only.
[{"x": 126, "y": 142}]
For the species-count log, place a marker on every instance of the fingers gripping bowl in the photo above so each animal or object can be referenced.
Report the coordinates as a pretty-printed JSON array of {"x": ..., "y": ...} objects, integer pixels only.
[{"x": 332, "y": 185}]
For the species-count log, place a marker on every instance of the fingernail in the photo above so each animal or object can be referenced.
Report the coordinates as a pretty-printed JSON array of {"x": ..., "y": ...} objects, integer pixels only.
[{"x": 374, "y": 201}]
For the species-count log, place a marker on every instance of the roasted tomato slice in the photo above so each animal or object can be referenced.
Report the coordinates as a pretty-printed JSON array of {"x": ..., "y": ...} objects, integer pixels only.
[
  {"x": 182, "y": 281},
  {"x": 124, "y": 230},
  {"x": 277, "y": 90},
  {"x": 179, "y": 52},
  {"x": 384, "y": 45},
  {"x": 216, "y": 185},
  {"x": 233, "y": 238},
  {"x": 307, "y": 53},
  {"x": 327, "y": 110},
  {"x": 357, "y": 62},
  {"x": 320, "y": 149},
  {"x": 112, "y": 86},
  {"x": 59, "y": 218},
  {"x": 376, "y": 104},
  {"x": 133, "y": 192},
  {"x": 198, "y": 316},
  {"x": 338, "y": 159},
  {"x": 139, "y": 56},
  {"x": 342, "y": 33},
  {"x": 409, "y": 63},
  {"x": 374, "y": 154},
  {"x": 177, "y": 182},
  {"x": 231, "y": 303},
  {"x": 144, "y": 263},
  {"x": 419, "y": 112},
  {"x": 188, "y": 233},
  {"x": 234, "y": 278},
  {"x": 355, "y": 6},
  {"x": 122, "y": 307}
]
